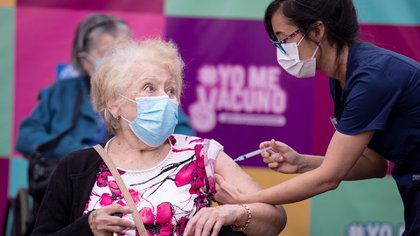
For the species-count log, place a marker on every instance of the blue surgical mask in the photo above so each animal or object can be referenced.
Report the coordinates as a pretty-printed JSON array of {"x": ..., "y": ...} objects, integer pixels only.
[
  {"x": 96, "y": 62},
  {"x": 156, "y": 119}
]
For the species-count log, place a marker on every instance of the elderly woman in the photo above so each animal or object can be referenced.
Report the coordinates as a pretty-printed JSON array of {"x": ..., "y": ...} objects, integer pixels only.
[
  {"x": 170, "y": 177},
  {"x": 65, "y": 110}
]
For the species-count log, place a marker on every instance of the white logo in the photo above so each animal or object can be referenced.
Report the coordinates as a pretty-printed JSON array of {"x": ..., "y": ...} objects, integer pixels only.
[{"x": 232, "y": 94}]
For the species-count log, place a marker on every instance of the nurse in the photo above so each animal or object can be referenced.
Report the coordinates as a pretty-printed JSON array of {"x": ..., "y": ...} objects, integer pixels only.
[{"x": 376, "y": 96}]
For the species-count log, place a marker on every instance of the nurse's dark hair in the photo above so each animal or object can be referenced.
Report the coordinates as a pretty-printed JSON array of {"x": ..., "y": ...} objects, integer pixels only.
[
  {"x": 89, "y": 29},
  {"x": 338, "y": 16}
]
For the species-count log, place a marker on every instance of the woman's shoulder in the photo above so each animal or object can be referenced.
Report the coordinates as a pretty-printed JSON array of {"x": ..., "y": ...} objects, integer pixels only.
[
  {"x": 80, "y": 161},
  {"x": 67, "y": 85},
  {"x": 64, "y": 91},
  {"x": 180, "y": 140},
  {"x": 368, "y": 55}
]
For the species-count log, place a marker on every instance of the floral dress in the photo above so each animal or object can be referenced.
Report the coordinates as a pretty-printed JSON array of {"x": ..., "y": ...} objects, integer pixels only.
[{"x": 170, "y": 193}]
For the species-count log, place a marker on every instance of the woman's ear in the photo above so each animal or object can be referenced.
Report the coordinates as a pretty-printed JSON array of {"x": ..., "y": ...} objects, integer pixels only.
[
  {"x": 113, "y": 108},
  {"x": 318, "y": 32},
  {"x": 86, "y": 64}
]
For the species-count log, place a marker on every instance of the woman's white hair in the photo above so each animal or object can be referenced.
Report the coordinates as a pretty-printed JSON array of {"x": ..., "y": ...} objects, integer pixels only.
[{"x": 119, "y": 67}]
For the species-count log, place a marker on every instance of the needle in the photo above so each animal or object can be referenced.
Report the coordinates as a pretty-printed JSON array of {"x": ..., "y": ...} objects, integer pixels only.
[{"x": 251, "y": 154}]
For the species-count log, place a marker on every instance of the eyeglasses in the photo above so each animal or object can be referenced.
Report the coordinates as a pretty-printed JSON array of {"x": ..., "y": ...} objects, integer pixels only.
[{"x": 277, "y": 43}]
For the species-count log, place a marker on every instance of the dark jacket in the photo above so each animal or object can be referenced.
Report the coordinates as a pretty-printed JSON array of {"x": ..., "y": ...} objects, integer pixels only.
[
  {"x": 53, "y": 115},
  {"x": 61, "y": 212}
]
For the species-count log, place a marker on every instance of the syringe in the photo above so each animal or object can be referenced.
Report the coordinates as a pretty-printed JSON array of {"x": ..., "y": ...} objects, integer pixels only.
[{"x": 250, "y": 154}]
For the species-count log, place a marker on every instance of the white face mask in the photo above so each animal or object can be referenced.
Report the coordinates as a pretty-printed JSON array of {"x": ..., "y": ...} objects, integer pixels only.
[{"x": 291, "y": 63}]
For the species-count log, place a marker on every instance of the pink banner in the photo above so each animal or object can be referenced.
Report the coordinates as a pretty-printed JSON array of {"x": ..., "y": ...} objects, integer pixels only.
[{"x": 138, "y": 6}]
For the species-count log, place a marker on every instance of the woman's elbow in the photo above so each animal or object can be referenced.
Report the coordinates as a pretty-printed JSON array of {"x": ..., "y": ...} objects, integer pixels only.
[
  {"x": 330, "y": 184},
  {"x": 282, "y": 220},
  {"x": 382, "y": 169}
]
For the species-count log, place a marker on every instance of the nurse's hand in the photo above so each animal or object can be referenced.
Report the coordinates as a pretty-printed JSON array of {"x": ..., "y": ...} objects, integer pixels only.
[
  {"x": 281, "y": 157},
  {"x": 226, "y": 193}
]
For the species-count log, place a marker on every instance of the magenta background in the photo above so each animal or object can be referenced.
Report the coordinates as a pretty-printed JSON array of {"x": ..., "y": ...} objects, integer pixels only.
[
  {"x": 153, "y": 6},
  {"x": 4, "y": 185}
]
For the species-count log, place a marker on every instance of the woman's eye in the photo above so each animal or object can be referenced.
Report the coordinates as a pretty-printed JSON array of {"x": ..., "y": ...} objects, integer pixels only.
[
  {"x": 149, "y": 88},
  {"x": 171, "y": 91}
]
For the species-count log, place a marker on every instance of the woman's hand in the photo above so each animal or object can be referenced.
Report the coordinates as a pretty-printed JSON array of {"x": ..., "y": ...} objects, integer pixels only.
[
  {"x": 281, "y": 157},
  {"x": 209, "y": 220},
  {"x": 103, "y": 222}
]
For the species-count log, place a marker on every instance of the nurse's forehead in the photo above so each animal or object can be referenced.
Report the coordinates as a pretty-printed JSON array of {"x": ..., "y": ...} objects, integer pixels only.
[{"x": 281, "y": 25}]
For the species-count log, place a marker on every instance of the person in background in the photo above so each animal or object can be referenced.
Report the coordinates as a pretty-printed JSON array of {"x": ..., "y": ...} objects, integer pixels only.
[
  {"x": 376, "y": 96},
  {"x": 169, "y": 176},
  {"x": 53, "y": 113}
]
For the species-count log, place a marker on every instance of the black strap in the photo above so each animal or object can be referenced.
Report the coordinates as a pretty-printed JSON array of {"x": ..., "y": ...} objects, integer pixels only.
[{"x": 76, "y": 110}]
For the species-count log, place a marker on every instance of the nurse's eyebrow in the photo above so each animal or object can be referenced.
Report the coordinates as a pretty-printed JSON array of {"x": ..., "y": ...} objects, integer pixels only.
[{"x": 280, "y": 33}]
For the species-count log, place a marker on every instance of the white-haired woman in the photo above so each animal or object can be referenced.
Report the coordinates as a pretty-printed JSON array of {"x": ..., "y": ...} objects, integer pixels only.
[{"x": 170, "y": 177}]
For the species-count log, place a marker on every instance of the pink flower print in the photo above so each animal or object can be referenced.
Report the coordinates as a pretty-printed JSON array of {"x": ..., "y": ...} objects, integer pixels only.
[
  {"x": 172, "y": 140},
  {"x": 197, "y": 140},
  {"x": 147, "y": 216},
  {"x": 193, "y": 173},
  {"x": 106, "y": 199},
  {"x": 115, "y": 190},
  {"x": 164, "y": 213},
  {"x": 102, "y": 178},
  {"x": 102, "y": 166},
  {"x": 189, "y": 174},
  {"x": 183, "y": 177},
  {"x": 161, "y": 230},
  {"x": 202, "y": 201},
  {"x": 135, "y": 195},
  {"x": 121, "y": 203},
  {"x": 161, "y": 224},
  {"x": 180, "y": 226}
]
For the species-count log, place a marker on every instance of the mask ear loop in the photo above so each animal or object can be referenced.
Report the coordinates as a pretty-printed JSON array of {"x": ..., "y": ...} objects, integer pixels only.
[
  {"x": 88, "y": 57},
  {"x": 129, "y": 99},
  {"x": 122, "y": 117},
  {"x": 301, "y": 40},
  {"x": 316, "y": 50}
]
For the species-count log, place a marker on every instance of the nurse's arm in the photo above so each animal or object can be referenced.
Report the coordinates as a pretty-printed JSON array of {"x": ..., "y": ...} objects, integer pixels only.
[
  {"x": 344, "y": 151},
  {"x": 369, "y": 165}
]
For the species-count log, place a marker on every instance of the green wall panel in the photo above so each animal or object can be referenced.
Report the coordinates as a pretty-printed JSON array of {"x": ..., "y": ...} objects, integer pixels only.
[
  {"x": 394, "y": 12},
  {"x": 236, "y": 9},
  {"x": 389, "y": 12},
  {"x": 18, "y": 175},
  {"x": 7, "y": 23},
  {"x": 358, "y": 207}
]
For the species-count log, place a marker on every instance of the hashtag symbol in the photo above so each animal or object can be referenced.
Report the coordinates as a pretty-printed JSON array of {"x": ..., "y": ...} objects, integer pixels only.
[{"x": 207, "y": 75}]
